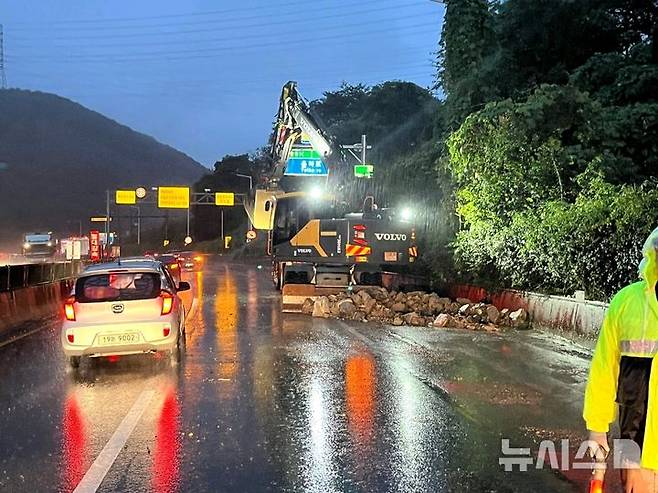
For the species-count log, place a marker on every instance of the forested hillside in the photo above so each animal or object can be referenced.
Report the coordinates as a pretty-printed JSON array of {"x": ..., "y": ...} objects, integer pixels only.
[
  {"x": 57, "y": 158},
  {"x": 552, "y": 140}
]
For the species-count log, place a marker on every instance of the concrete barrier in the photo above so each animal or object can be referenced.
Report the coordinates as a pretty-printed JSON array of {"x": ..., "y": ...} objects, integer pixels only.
[
  {"x": 552, "y": 312},
  {"x": 32, "y": 303}
]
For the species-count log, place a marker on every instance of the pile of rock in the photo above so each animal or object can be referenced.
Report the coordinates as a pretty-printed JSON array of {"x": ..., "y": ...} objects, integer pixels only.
[{"x": 416, "y": 308}]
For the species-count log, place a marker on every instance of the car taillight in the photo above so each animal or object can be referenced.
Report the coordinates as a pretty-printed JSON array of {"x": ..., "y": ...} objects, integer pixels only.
[
  {"x": 69, "y": 309},
  {"x": 167, "y": 302},
  {"x": 166, "y": 331},
  {"x": 70, "y": 338}
]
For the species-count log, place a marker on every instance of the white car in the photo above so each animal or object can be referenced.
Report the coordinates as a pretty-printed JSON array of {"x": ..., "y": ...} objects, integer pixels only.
[{"x": 124, "y": 308}]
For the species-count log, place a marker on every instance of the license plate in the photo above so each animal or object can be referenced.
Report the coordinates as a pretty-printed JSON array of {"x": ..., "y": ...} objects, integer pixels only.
[
  {"x": 118, "y": 339},
  {"x": 390, "y": 256}
]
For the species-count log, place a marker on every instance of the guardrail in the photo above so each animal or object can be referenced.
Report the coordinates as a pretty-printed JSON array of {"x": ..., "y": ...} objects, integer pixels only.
[
  {"x": 583, "y": 317},
  {"x": 14, "y": 277}
]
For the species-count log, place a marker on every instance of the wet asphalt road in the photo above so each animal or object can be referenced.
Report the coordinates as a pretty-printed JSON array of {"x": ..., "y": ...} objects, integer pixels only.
[{"x": 270, "y": 402}]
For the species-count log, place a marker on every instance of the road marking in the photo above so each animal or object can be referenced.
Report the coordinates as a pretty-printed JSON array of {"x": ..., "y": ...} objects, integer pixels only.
[
  {"x": 363, "y": 338},
  {"x": 98, "y": 470},
  {"x": 21, "y": 336},
  {"x": 193, "y": 308}
]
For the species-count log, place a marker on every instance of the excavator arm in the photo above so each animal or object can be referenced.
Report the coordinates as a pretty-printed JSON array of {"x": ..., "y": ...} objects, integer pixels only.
[{"x": 294, "y": 119}]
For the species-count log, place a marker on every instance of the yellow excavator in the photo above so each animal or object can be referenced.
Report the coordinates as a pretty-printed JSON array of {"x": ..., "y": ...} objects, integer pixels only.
[{"x": 318, "y": 246}]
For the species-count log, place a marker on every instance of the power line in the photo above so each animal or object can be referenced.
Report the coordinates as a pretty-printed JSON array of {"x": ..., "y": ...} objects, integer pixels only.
[
  {"x": 209, "y": 52},
  {"x": 263, "y": 31},
  {"x": 299, "y": 16},
  {"x": 260, "y": 34},
  {"x": 275, "y": 6}
]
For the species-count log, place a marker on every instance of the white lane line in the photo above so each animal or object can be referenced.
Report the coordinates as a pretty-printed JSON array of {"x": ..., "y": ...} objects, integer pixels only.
[
  {"x": 96, "y": 473},
  {"x": 193, "y": 308},
  {"x": 363, "y": 338},
  {"x": 21, "y": 336}
]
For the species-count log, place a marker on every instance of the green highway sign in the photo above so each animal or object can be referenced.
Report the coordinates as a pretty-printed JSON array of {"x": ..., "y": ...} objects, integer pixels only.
[{"x": 364, "y": 170}]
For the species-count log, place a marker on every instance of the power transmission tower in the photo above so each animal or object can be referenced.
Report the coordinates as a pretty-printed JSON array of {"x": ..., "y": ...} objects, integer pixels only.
[{"x": 3, "y": 75}]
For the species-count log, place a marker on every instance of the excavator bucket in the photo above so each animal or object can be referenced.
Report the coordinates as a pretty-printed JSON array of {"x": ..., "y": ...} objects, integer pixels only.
[{"x": 294, "y": 295}]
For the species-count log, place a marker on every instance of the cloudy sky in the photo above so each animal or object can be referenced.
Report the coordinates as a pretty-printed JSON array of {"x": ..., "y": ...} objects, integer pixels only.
[{"x": 204, "y": 76}]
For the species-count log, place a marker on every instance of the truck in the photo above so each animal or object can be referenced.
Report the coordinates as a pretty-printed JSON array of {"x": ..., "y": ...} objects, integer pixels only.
[
  {"x": 39, "y": 245},
  {"x": 318, "y": 241}
]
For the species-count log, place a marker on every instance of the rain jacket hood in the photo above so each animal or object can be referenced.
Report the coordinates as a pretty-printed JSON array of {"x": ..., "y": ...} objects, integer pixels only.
[
  {"x": 623, "y": 372},
  {"x": 648, "y": 269}
]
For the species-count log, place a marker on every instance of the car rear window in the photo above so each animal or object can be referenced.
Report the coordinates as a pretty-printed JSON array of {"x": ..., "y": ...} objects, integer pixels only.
[{"x": 120, "y": 286}]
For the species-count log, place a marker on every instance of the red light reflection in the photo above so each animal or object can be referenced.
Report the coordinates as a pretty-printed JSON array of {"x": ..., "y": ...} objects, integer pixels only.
[
  {"x": 73, "y": 444},
  {"x": 360, "y": 382},
  {"x": 166, "y": 467}
]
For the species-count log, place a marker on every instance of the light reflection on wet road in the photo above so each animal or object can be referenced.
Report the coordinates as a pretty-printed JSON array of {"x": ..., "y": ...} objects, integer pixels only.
[{"x": 261, "y": 402}]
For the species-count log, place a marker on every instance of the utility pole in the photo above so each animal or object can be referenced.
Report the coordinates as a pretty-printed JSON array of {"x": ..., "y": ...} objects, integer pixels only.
[{"x": 3, "y": 75}]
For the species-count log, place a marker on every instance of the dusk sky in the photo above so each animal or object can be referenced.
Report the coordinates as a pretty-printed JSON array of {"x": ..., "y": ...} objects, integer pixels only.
[{"x": 205, "y": 76}]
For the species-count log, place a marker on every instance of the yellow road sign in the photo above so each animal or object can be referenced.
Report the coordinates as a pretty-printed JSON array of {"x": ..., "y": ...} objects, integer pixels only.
[
  {"x": 125, "y": 197},
  {"x": 225, "y": 199},
  {"x": 99, "y": 219},
  {"x": 227, "y": 242},
  {"x": 173, "y": 197}
]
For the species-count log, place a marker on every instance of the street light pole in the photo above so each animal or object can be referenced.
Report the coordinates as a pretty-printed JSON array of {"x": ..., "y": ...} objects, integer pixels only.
[
  {"x": 223, "y": 241},
  {"x": 139, "y": 223},
  {"x": 107, "y": 223},
  {"x": 188, "y": 222},
  {"x": 251, "y": 186}
]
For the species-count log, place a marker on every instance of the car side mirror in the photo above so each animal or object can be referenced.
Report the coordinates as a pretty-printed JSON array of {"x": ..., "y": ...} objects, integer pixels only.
[{"x": 184, "y": 286}]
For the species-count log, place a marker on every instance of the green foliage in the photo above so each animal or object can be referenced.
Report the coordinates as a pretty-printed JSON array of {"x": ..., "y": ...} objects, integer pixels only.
[
  {"x": 396, "y": 116},
  {"x": 556, "y": 175},
  {"x": 464, "y": 59},
  {"x": 592, "y": 244},
  {"x": 554, "y": 191},
  {"x": 615, "y": 79},
  {"x": 513, "y": 156}
]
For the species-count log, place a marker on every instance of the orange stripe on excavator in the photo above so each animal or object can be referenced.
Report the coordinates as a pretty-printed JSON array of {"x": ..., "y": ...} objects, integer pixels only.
[{"x": 356, "y": 250}]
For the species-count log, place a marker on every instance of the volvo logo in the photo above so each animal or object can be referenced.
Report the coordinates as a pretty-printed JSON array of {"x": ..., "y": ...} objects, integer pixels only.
[
  {"x": 117, "y": 308},
  {"x": 391, "y": 236}
]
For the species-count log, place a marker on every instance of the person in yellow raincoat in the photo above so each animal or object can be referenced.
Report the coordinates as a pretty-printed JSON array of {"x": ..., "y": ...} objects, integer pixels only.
[{"x": 622, "y": 373}]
